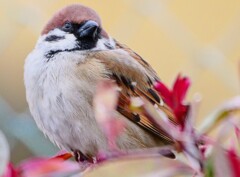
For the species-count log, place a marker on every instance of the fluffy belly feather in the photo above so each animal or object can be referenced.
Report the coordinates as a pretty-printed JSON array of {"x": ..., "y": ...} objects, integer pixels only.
[{"x": 60, "y": 100}]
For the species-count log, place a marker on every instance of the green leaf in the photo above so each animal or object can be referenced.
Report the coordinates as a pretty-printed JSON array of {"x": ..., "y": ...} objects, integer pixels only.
[{"x": 209, "y": 171}]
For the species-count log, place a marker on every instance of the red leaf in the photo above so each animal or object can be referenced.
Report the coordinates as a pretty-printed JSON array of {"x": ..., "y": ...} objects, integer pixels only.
[
  {"x": 164, "y": 92},
  {"x": 180, "y": 88},
  {"x": 64, "y": 155},
  {"x": 235, "y": 162},
  {"x": 11, "y": 171},
  {"x": 174, "y": 98}
]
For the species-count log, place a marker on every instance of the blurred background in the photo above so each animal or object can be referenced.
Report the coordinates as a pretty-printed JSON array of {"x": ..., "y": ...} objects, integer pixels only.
[{"x": 197, "y": 38}]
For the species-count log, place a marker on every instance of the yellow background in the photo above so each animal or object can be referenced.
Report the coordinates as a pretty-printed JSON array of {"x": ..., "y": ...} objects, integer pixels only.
[{"x": 199, "y": 38}]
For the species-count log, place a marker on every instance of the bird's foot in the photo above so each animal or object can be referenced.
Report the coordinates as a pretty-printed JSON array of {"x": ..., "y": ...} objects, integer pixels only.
[{"x": 80, "y": 157}]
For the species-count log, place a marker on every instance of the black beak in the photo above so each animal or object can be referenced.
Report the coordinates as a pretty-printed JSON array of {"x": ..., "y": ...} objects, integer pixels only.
[{"x": 89, "y": 29}]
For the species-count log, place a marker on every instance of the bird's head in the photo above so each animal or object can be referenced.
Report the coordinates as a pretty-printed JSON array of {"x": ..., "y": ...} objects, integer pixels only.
[{"x": 74, "y": 28}]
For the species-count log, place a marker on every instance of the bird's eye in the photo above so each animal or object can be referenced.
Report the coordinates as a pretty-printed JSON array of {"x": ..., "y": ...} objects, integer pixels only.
[{"x": 67, "y": 27}]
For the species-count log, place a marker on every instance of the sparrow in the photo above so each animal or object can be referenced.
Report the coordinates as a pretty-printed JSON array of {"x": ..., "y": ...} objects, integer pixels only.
[{"x": 72, "y": 55}]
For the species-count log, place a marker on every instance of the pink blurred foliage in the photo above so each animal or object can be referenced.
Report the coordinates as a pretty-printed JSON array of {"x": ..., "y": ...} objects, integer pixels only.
[
  {"x": 11, "y": 171},
  {"x": 41, "y": 167},
  {"x": 105, "y": 103},
  {"x": 234, "y": 161},
  {"x": 194, "y": 148}
]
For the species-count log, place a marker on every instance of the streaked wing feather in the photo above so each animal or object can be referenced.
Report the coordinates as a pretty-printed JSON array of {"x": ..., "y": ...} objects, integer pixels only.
[
  {"x": 141, "y": 119},
  {"x": 139, "y": 59},
  {"x": 121, "y": 68}
]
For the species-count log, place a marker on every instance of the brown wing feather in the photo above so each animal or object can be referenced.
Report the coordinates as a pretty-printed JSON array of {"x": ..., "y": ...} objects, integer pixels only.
[
  {"x": 139, "y": 118},
  {"x": 151, "y": 94},
  {"x": 139, "y": 59},
  {"x": 125, "y": 71}
]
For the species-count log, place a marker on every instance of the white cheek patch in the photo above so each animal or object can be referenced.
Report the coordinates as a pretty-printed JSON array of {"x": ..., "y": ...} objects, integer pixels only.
[
  {"x": 104, "y": 44},
  {"x": 67, "y": 41}
]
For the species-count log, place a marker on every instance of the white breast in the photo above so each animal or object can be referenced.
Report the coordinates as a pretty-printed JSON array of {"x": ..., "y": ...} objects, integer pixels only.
[{"x": 60, "y": 101}]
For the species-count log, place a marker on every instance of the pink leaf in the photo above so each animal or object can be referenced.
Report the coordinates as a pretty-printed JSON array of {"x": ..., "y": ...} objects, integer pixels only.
[
  {"x": 222, "y": 166},
  {"x": 42, "y": 167},
  {"x": 11, "y": 171},
  {"x": 105, "y": 102}
]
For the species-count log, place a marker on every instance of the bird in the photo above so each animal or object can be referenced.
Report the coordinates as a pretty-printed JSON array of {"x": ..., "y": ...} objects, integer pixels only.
[{"x": 72, "y": 55}]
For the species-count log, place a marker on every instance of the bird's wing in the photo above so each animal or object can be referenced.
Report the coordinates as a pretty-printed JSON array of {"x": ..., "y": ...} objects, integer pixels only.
[
  {"x": 134, "y": 81},
  {"x": 138, "y": 58}
]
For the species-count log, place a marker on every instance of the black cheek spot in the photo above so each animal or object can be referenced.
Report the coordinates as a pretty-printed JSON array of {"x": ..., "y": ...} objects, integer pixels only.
[{"x": 54, "y": 38}]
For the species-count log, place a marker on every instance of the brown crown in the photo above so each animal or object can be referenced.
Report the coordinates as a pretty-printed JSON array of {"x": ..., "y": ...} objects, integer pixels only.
[{"x": 75, "y": 13}]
